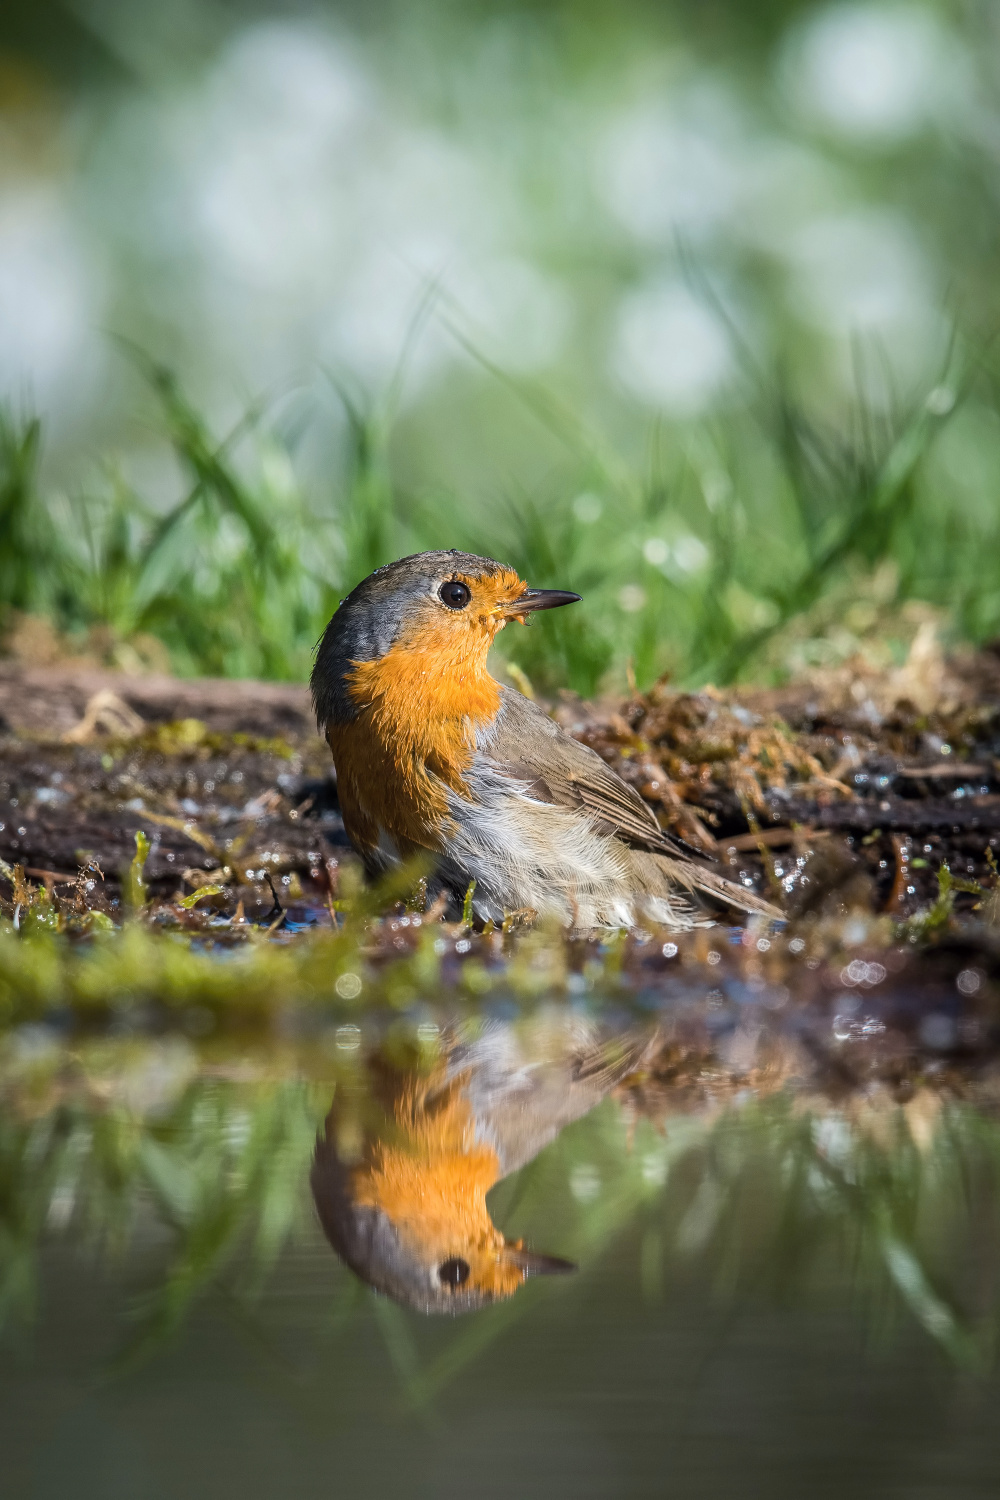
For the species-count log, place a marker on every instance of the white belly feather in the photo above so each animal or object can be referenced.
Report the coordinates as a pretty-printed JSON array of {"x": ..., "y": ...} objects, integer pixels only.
[{"x": 526, "y": 853}]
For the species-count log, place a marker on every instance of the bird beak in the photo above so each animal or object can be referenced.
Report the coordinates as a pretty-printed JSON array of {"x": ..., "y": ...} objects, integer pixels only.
[
  {"x": 529, "y": 1263},
  {"x": 533, "y": 599}
]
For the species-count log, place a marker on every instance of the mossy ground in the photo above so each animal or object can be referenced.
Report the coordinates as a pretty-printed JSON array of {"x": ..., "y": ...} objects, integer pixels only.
[{"x": 181, "y": 874}]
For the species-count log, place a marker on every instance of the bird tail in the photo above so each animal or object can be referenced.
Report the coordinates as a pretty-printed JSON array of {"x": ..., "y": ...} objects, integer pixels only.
[{"x": 661, "y": 877}]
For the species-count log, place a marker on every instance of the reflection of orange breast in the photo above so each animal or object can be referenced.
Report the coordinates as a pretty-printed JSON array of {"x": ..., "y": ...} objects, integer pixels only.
[
  {"x": 419, "y": 707},
  {"x": 431, "y": 1182}
]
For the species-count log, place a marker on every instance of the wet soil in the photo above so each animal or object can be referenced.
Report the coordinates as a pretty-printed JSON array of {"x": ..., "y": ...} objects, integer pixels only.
[
  {"x": 876, "y": 791},
  {"x": 230, "y": 781},
  {"x": 229, "y": 768}
]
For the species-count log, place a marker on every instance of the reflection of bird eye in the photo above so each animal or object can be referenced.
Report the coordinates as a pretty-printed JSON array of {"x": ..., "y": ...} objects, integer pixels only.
[
  {"x": 456, "y": 596},
  {"x": 453, "y": 1272}
]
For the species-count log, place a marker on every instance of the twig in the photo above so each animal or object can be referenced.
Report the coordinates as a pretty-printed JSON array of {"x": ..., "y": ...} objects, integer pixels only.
[{"x": 277, "y": 914}]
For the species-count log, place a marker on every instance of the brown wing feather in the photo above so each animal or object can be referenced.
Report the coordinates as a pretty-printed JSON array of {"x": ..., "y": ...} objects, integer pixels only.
[
  {"x": 607, "y": 1065},
  {"x": 573, "y": 775},
  {"x": 528, "y": 746}
]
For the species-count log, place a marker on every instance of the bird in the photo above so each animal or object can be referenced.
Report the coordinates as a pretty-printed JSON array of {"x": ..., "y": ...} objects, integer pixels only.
[
  {"x": 404, "y": 1162},
  {"x": 436, "y": 759}
]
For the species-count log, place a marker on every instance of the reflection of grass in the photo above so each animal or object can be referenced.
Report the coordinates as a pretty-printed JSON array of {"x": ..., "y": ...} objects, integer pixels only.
[
  {"x": 226, "y": 1179},
  {"x": 775, "y": 1198},
  {"x": 106, "y": 1141},
  {"x": 732, "y": 532}
]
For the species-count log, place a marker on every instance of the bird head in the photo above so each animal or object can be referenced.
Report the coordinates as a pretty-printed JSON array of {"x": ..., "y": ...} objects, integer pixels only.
[{"x": 442, "y": 609}]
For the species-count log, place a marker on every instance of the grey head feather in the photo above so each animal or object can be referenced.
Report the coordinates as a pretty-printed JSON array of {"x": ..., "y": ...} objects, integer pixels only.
[{"x": 372, "y": 618}]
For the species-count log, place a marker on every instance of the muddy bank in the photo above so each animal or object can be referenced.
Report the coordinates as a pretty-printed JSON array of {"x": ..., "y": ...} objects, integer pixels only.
[
  {"x": 851, "y": 791},
  {"x": 208, "y": 769},
  {"x": 44, "y": 703},
  {"x": 869, "y": 817}
]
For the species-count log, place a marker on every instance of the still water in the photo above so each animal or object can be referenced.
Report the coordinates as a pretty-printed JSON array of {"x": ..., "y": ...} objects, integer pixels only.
[{"x": 775, "y": 1292}]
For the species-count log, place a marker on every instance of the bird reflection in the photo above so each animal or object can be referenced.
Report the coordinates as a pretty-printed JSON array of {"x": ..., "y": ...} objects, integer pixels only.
[{"x": 407, "y": 1157}]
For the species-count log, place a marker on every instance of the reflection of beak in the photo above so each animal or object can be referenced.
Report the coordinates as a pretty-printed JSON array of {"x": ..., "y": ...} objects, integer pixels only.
[
  {"x": 531, "y": 1264},
  {"x": 533, "y": 599}
]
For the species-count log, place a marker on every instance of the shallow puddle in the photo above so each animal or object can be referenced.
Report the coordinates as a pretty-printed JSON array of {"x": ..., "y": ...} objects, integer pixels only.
[{"x": 761, "y": 1283}]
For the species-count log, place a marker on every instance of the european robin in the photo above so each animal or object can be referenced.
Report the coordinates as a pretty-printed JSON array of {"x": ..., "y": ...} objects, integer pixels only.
[
  {"x": 434, "y": 755},
  {"x": 401, "y": 1172}
]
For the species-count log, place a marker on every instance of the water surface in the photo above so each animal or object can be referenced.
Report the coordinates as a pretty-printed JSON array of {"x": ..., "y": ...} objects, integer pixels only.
[{"x": 777, "y": 1291}]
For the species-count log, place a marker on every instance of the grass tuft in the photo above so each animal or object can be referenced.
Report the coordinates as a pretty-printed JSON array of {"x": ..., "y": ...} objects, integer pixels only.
[{"x": 703, "y": 567}]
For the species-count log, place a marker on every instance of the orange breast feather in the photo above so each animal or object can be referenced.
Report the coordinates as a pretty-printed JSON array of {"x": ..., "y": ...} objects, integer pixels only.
[
  {"x": 431, "y": 1181},
  {"x": 419, "y": 707}
]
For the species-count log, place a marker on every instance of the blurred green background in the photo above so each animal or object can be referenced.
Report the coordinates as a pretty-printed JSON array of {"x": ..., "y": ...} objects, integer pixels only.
[{"x": 688, "y": 306}]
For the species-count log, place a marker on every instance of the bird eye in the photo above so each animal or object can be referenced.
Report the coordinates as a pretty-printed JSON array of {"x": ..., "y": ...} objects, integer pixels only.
[
  {"x": 456, "y": 596},
  {"x": 453, "y": 1272}
]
